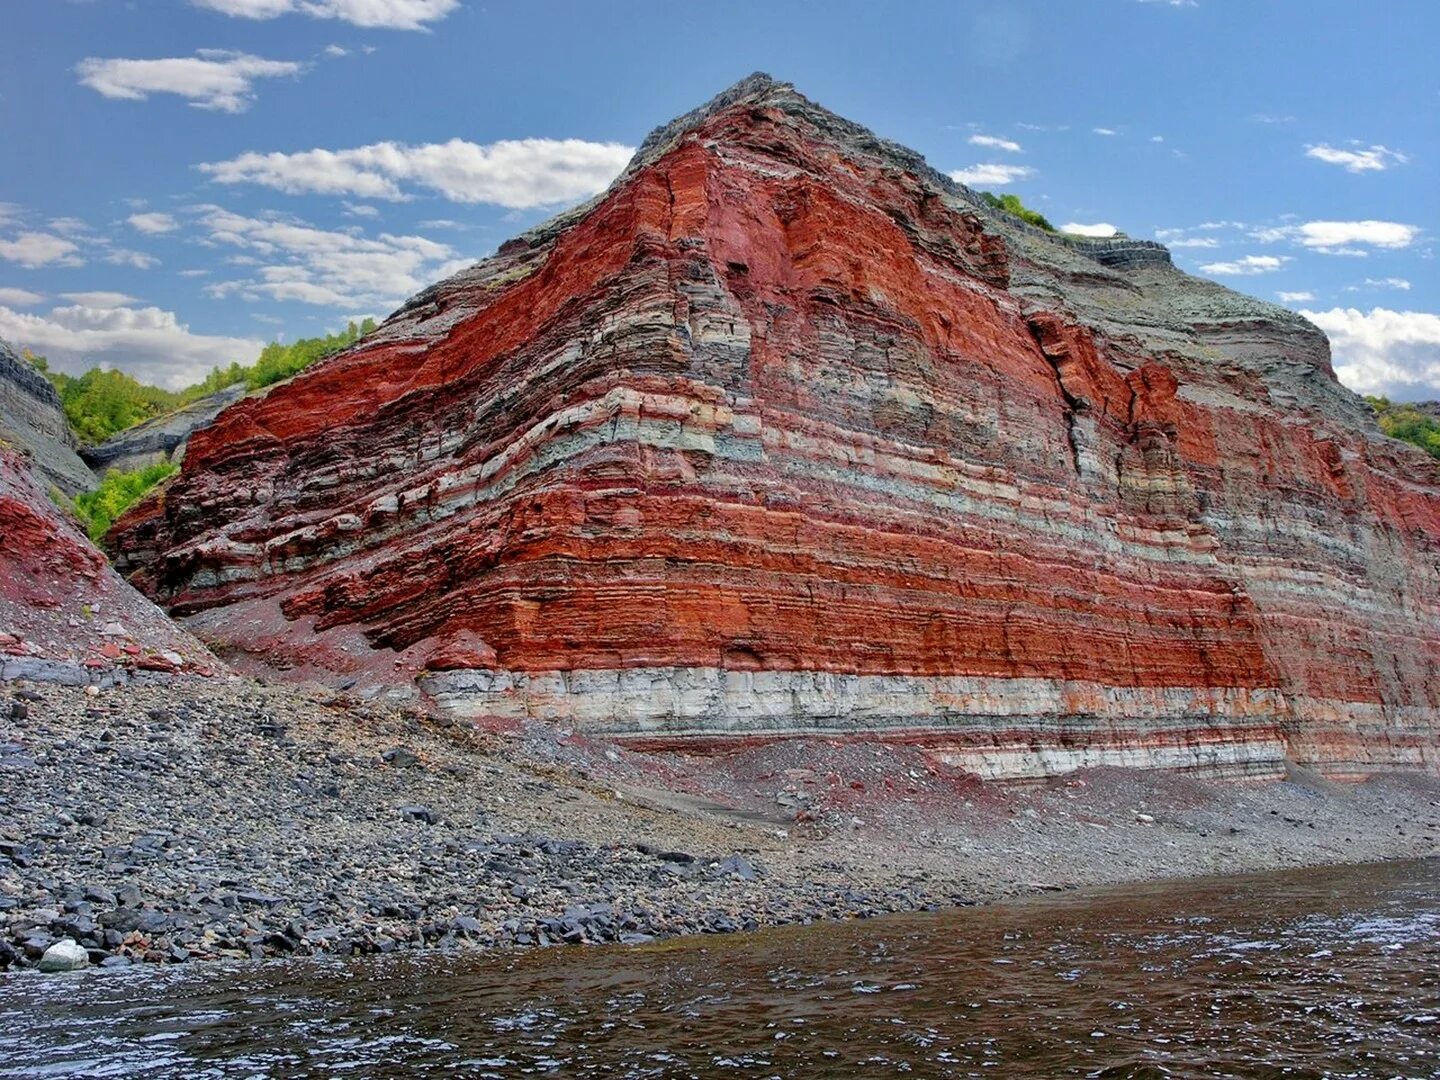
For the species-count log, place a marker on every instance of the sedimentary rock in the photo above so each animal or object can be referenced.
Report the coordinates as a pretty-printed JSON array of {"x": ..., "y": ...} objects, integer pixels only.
[
  {"x": 33, "y": 422},
  {"x": 787, "y": 432},
  {"x": 161, "y": 439},
  {"x": 65, "y": 614}
]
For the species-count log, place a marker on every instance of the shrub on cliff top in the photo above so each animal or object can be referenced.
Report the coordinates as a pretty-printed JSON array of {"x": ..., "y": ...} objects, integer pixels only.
[
  {"x": 1012, "y": 205},
  {"x": 98, "y": 509},
  {"x": 1408, "y": 423}
]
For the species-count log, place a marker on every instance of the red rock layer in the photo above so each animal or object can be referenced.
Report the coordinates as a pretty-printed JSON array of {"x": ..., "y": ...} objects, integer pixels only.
[
  {"x": 764, "y": 442},
  {"x": 64, "y": 613}
]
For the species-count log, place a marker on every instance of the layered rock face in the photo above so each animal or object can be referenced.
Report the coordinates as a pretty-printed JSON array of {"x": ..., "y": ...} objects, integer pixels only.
[
  {"x": 65, "y": 614},
  {"x": 33, "y": 422},
  {"x": 787, "y": 433},
  {"x": 161, "y": 439}
]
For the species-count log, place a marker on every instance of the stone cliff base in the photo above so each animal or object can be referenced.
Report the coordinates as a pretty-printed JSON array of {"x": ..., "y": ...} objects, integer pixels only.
[{"x": 190, "y": 819}]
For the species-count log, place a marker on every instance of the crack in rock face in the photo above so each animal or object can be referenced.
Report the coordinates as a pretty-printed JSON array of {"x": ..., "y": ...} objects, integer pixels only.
[{"x": 788, "y": 433}]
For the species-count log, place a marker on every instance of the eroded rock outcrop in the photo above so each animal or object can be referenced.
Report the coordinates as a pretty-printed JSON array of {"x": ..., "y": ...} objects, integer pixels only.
[
  {"x": 161, "y": 439},
  {"x": 33, "y": 422},
  {"x": 786, "y": 432},
  {"x": 65, "y": 614}
]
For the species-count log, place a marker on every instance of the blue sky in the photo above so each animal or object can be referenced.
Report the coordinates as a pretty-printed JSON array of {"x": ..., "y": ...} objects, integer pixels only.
[{"x": 186, "y": 179}]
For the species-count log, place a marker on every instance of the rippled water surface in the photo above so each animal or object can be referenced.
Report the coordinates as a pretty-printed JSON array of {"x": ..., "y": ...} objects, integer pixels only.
[{"x": 1319, "y": 973}]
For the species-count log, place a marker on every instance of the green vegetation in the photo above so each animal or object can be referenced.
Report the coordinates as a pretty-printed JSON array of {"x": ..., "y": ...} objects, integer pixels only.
[
  {"x": 101, "y": 403},
  {"x": 98, "y": 509},
  {"x": 1408, "y": 423},
  {"x": 1012, "y": 205}
]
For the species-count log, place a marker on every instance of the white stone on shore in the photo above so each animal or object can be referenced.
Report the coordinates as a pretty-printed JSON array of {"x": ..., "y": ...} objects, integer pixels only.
[{"x": 64, "y": 955}]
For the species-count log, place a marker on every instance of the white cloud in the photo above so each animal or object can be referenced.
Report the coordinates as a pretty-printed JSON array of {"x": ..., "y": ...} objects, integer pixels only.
[
  {"x": 212, "y": 79},
  {"x": 293, "y": 260},
  {"x": 20, "y": 297},
  {"x": 1271, "y": 118},
  {"x": 1296, "y": 297},
  {"x": 149, "y": 343},
  {"x": 336, "y": 50},
  {"x": 1194, "y": 242},
  {"x": 994, "y": 142},
  {"x": 1396, "y": 353},
  {"x": 1376, "y": 158},
  {"x": 1173, "y": 3},
  {"x": 372, "y": 14},
  {"x": 9, "y": 213},
  {"x": 1100, "y": 229},
  {"x": 153, "y": 223},
  {"x": 1336, "y": 237},
  {"x": 360, "y": 210},
  {"x": 991, "y": 173},
  {"x": 1104, "y": 131},
  {"x": 100, "y": 299},
  {"x": 1157, "y": 138},
  {"x": 35, "y": 249},
  {"x": 124, "y": 257},
  {"x": 71, "y": 227},
  {"x": 516, "y": 173},
  {"x": 1249, "y": 264},
  {"x": 1388, "y": 283}
]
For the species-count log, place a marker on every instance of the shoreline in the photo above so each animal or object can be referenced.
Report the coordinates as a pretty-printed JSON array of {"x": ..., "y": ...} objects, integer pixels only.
[{"x": 183, "y": 819}]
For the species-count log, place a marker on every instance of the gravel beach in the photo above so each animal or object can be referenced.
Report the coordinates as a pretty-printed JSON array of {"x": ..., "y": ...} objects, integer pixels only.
[{"x": 184, "y": 819}]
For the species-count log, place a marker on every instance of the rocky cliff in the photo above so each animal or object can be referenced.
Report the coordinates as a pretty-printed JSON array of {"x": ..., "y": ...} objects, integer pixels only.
[
  {"x": 161, "y": 439},
  {"x": 33, "y": 422},
  {"x": 786, "y": 432},
  {"x": 65, "y": 614}
]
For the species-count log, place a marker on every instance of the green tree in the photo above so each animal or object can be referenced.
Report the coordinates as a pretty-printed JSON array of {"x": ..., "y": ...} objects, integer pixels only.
[
  {"x": 99, "y": 509},
  {"x": 1408, "y": 423},
  {"x": 1012, "y": 205}
]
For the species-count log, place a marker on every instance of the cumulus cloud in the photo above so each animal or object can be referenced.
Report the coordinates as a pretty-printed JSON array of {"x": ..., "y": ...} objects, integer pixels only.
[
  {"x": 1338, "y": 237},
  {"x": 296, "y": 261},
  {"x": 1100, "y": 228},
  {"x": 1296, "y": 297},
  {"x": 1249, "y": 264},
  {"x": 150, "y": 343},
  {"x": 1395, "y": 353},
  {"x": 20, "y": 297},
  {"x": 994, "y": 142},
  {"x": 371, "y": 14},
  {"x": 212, "y": 79},
  {"x": 1375, "y": 158},
  {"x": 516, "y": 173},
  {"x": 36, "y": 249},
  {"x": 991, "y": 173},
  {"x": 153, "y": 223}
]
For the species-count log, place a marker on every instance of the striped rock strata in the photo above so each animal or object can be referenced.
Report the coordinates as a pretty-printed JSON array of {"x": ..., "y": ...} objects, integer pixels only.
[
  {"x": 787, "y": 433},
  {"x": 65, "y": 614}
]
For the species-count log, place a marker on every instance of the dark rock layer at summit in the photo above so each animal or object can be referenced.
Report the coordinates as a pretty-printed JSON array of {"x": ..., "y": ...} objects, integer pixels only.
[
  {"x": 33, "y": 422},
  {"x": 786, "y": 432}
]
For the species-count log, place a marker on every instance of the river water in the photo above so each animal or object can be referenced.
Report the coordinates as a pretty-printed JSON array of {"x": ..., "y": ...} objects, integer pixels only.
[{"x": 1306, "y": 974}]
